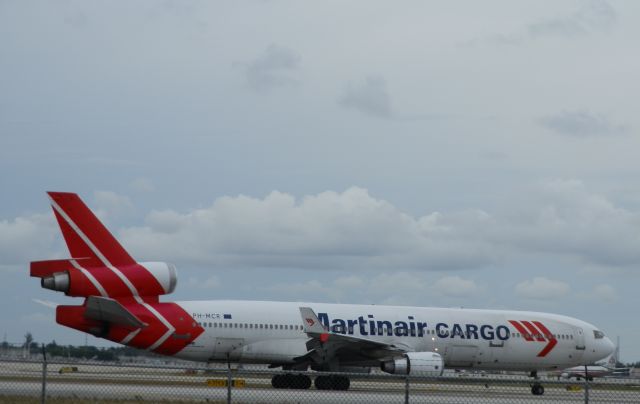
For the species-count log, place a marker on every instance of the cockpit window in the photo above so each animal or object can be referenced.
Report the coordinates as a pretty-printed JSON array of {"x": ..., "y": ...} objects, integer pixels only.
[{"x": 598, "y": 334}]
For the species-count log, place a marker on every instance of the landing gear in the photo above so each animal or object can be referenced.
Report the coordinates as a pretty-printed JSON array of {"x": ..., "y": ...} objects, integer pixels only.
[
  {"x": 291, "y": 381},
  {"x": 537, "y": 389},
  {"x": 332, "y": 382}
]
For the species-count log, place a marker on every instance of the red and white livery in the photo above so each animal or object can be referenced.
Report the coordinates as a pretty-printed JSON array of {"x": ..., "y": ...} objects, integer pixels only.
[{"x": 122, "y": 304}]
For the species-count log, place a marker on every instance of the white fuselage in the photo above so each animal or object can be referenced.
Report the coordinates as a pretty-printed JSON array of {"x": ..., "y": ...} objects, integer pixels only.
[{"x": 272, "y": 332}]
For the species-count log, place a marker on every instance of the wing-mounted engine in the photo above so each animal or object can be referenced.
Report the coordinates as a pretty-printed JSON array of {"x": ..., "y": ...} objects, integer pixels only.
[{"x": 415, "y": 364}]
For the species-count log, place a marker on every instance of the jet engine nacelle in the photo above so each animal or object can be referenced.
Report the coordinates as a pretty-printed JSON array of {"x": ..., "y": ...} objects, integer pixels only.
[
  {"x": 415, "y": 364},
  {"x": 142, "y": 279}
]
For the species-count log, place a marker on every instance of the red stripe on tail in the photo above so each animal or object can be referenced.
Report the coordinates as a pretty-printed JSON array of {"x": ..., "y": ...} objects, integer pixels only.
[{"x": 73, "y": 212}]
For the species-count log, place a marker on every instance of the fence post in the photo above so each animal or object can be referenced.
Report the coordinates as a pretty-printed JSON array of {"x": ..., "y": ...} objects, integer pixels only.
[
  {"x": 586, "y": 385},
  {"x": 43, "y": 395},
  {"x": 229, "y": 381},
  {"x": 406, "y": 389}
]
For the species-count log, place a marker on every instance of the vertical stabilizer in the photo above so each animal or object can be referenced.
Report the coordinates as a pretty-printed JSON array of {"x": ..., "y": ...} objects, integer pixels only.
[{"x": 85, "y": 235}]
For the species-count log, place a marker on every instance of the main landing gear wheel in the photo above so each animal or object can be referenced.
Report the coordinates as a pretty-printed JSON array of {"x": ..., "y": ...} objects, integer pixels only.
[
  {"x": 537, "y": 389},
  {"x": 332, "y": 382},
  {"x": 291, "y": 381}
]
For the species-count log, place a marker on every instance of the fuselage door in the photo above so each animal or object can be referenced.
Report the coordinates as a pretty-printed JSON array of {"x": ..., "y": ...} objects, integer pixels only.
[
  {"x": 579, "y": 334},
  {"x": 228, "y": 348},
  {"x": 461, "y": 356}
]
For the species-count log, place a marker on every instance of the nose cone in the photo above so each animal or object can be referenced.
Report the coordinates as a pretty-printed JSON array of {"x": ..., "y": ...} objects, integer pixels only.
[
  {"x": 597, "y": 350},
  {"x": 608, "y": 346}
]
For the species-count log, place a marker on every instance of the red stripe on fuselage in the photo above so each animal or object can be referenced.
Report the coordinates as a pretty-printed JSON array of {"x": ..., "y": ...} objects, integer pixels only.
[
  {"x": 552, "y": 339},
  {"x": 521, "y": 330},
  {"x": 537, "y": 334}
]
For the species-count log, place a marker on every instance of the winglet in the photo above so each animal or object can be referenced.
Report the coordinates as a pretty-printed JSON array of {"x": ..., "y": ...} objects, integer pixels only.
[{"x": 311, "y": 325}]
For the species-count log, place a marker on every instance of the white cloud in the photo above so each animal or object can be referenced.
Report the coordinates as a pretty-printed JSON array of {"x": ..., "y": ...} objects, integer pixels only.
[
  {"x": 27, "y": 238},
  {"x": 563, "y": 217},
  {"x": 455, "y": 286},
  {"x": 327, "y": 230},
  {"x": 541, "y": 288},
  {"x": 396, "y": 288},
  {"x": 108, "y": 203},
  {"x": 354, "y": 230}
]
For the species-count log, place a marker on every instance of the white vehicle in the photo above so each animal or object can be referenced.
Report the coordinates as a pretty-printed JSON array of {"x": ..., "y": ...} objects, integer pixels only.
[{"x": 122, "y": 304}]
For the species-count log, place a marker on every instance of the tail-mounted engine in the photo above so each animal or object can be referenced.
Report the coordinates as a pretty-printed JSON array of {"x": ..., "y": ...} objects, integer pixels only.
[
  {"x": 140, "y": 279},
  {"x": 121, "y": 295},
  {"x": 415, "y": 364}
]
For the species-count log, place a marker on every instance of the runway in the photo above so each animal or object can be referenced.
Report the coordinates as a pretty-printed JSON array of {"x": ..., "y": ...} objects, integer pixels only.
[
  {"x": 147, "y": 384},
  {"x": 92, "y": 391}
]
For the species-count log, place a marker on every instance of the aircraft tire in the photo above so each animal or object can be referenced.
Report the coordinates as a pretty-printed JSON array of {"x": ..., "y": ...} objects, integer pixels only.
[
  {"x": 302, "y": 382},
  {"x": 322, "y": 383},
  {"x": 341, "y": 383},
  {"x": 278, "y": 382},
  {"x": 537, "y": 389},
  {"x": 332, "y": 383}
]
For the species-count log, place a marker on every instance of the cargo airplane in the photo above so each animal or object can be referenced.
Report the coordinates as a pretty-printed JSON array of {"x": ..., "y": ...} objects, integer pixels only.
[
  {"x": 122, "y": 304},
  {"x": 608, "y": 367}
]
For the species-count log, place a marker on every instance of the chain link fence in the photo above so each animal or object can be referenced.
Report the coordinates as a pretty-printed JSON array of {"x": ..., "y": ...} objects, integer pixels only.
[{"x": 65, "y": 382}]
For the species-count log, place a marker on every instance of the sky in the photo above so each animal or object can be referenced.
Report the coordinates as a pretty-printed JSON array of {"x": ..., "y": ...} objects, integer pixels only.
[{"x": 428, "y": 153}]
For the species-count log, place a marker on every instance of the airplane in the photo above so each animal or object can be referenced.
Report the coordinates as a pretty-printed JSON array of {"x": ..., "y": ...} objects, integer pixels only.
[
  {"x": 122, "y": 304},
  {"x": 606, "y": 367}
]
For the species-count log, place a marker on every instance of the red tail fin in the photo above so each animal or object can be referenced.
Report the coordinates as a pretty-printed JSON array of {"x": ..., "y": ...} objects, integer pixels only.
[
  {"x": 85, "y": 235},
  {"x": 122, "y": 302}
]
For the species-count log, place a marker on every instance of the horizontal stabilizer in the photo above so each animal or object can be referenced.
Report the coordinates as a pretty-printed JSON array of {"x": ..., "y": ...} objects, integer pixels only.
[
  {"x": 41, "y": 269},
  {"x": 109, "y": 310}
]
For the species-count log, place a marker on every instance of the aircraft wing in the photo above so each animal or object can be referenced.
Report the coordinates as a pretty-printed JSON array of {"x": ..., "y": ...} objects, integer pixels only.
[{"x": 325, "y": 346}]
